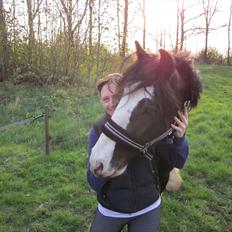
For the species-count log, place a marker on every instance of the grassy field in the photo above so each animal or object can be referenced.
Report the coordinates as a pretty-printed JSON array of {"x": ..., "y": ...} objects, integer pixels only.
[{"x": 50, "y": 193}]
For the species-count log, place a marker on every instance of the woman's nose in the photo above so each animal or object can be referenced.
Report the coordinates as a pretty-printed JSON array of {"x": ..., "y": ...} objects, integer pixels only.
[{"x": 112, "y": 103}]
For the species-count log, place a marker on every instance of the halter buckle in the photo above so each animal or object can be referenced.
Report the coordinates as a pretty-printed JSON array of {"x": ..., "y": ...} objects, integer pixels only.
[
  {"x": 144, "y": 149},
  {"x": 145, "y": 152},
  {"x": 187, "y": 104}
]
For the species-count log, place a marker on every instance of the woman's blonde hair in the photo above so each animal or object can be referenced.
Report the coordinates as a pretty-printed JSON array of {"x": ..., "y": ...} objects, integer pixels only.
[{"x": 114, "y": 78}]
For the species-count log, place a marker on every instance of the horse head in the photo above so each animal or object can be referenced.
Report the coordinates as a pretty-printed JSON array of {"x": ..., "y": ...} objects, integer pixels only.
[{"x": 155, "y": 87}]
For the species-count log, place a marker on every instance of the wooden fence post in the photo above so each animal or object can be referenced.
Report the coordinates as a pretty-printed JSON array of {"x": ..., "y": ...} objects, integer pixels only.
[{"x": 46, "y": 124}]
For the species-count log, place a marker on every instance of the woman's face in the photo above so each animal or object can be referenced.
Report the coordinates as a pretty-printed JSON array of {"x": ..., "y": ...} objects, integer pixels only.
[{"x": 109, "y": 97}]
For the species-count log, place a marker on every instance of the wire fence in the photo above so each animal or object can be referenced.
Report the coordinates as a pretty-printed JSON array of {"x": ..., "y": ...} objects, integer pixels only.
[{"x": 29, "y": 121}]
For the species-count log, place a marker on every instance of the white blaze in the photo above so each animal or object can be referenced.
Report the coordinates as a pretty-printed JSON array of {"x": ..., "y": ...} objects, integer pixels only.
[{"x": 103, "y": 150}]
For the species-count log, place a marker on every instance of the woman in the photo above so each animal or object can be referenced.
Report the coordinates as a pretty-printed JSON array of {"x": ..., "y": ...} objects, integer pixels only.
[{"x": 147, "y": 218}]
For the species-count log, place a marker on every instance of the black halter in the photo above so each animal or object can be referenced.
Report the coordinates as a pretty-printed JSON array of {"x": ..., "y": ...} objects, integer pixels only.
[
  {"x": 112, "y": 130},
  {"x": 120, "y": 135}
]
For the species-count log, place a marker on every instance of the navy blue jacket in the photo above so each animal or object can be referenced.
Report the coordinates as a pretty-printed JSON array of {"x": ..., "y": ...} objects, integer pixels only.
[{"x": 136, "y": 188}]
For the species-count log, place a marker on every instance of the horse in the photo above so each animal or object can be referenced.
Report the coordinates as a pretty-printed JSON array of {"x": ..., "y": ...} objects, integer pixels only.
[{"x": 154, "y": 88}]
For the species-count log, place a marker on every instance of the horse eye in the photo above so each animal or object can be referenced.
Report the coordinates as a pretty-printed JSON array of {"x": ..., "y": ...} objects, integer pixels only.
[{"x": 145, "y": 109}]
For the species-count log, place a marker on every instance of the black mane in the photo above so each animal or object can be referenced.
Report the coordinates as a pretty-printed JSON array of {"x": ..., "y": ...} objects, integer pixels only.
[{"x": 173, "y": 78}]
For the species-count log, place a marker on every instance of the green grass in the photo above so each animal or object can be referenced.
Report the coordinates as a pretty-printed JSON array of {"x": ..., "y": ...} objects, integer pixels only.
[
  {"x": 50, "y": 193},
  {"x": 204, "y": 204}
]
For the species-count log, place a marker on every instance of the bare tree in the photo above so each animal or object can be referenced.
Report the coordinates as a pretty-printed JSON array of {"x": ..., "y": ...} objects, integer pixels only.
[
  {"x": 118, "y": 27},
  {"x": 69, "y": 9},
  {"x": 177, "y": 27},
  {"x": 144, "y": 24},
  {"x": 32, "y": 10},
  {"x": 14, "y": 26},
  {"x": 162, "y": 40},
  {"x": 46, "y": 19},
  {"x": 125, "y": 30},
  {"x": 209, "y": 8},
  {"x": 183, "y": 31},
  {"x": 4, "y": 48},
  {"x": 182, "y": 23},
  {"x": 229, "y": 29},
  {"x": 98, "y": 40},
  {"x": 142, "y": 10},
  {"x": 39, "y": 54},
  {"x": 90, "y": 25}
]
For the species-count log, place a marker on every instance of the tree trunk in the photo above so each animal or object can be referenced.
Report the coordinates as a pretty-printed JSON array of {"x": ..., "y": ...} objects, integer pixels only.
[
  {"x": 177, "y": 27},
  {"x": 46, "y": 20},
  {"x": 4, "y": 48},
  {"x": 182, "y": 18},
  {"x": 69, "y": 33},
  {"x": 118, "y": 27},
  {"x": 229, "y": 26},
  {"x": 210, "y": 8},
  {"x": 98, "y": 40},
  {"x": 31, "y": 16},
  {"x": 14, "y": 26},
  {"x": 124, "y": 42},
  {"x": 161, "y": 39},
  {"x": 206, "y": 44},
  {"x": 144, "y": 24},
  {"x": 182, "y": 22},
  {"x": 31, "y": 31},
  {"x": 69, "y": 9},
  {"x": 39, "y": 54},
  {"x": 90, "y": 25},
  {"x": 164, "y": 40}
]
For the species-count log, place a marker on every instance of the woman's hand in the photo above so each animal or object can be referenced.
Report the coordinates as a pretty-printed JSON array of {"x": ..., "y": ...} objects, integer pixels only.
[{"x": 181, "y": 123}]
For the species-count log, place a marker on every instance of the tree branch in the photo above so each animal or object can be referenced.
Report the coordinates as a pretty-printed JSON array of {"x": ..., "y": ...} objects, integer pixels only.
[
  {"x": 37, "y": 9},
  {"x": 82, "y": 17},
  {"x": 194, "y": 18}
]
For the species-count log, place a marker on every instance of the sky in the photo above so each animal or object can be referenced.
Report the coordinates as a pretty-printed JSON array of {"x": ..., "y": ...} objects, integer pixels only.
[{"x": 161, "y": 15}]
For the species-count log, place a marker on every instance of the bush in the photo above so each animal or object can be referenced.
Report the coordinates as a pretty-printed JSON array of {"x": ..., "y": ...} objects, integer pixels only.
[
  {"x": 213, "y": 56},
  {"x": 29, "y": 75}
]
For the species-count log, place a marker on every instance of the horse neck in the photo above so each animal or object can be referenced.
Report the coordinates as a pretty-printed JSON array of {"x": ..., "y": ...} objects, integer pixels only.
[{"x": 167, "y": 104}]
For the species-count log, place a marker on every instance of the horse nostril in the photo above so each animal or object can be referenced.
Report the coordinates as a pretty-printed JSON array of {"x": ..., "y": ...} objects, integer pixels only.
[{"x": 98, "y": 169}]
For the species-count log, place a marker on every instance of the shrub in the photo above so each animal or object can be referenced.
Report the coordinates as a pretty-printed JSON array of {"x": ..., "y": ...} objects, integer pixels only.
[
  {"x": 29, "y": 75},
  {"x": 213, "y": 56}
]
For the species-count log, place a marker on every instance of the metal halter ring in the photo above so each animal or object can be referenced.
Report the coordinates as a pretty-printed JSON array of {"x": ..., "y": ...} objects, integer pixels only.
[
  {"x": 145, "y": 148},
  {"x": 187, "y": 104}
]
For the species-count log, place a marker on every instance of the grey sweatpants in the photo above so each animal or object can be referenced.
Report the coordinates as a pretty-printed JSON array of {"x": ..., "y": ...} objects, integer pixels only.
[{"x": 148, "y": 222}]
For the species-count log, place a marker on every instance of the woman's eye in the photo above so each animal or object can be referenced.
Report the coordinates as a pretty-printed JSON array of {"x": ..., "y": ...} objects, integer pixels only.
[{"x": 105, "y": 100}]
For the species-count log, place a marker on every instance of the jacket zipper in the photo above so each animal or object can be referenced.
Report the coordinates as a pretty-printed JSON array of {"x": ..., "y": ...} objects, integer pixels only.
[{"x": 132, "y": 186}]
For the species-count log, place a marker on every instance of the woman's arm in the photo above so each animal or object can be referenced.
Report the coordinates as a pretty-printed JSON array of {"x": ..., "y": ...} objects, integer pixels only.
[{"x": 175, "y": 151}]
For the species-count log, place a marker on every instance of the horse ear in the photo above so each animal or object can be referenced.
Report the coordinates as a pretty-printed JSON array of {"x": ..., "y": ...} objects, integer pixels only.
[
  {"x": 139, "y": 50},
  {"x": 166, "y": 63}
]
